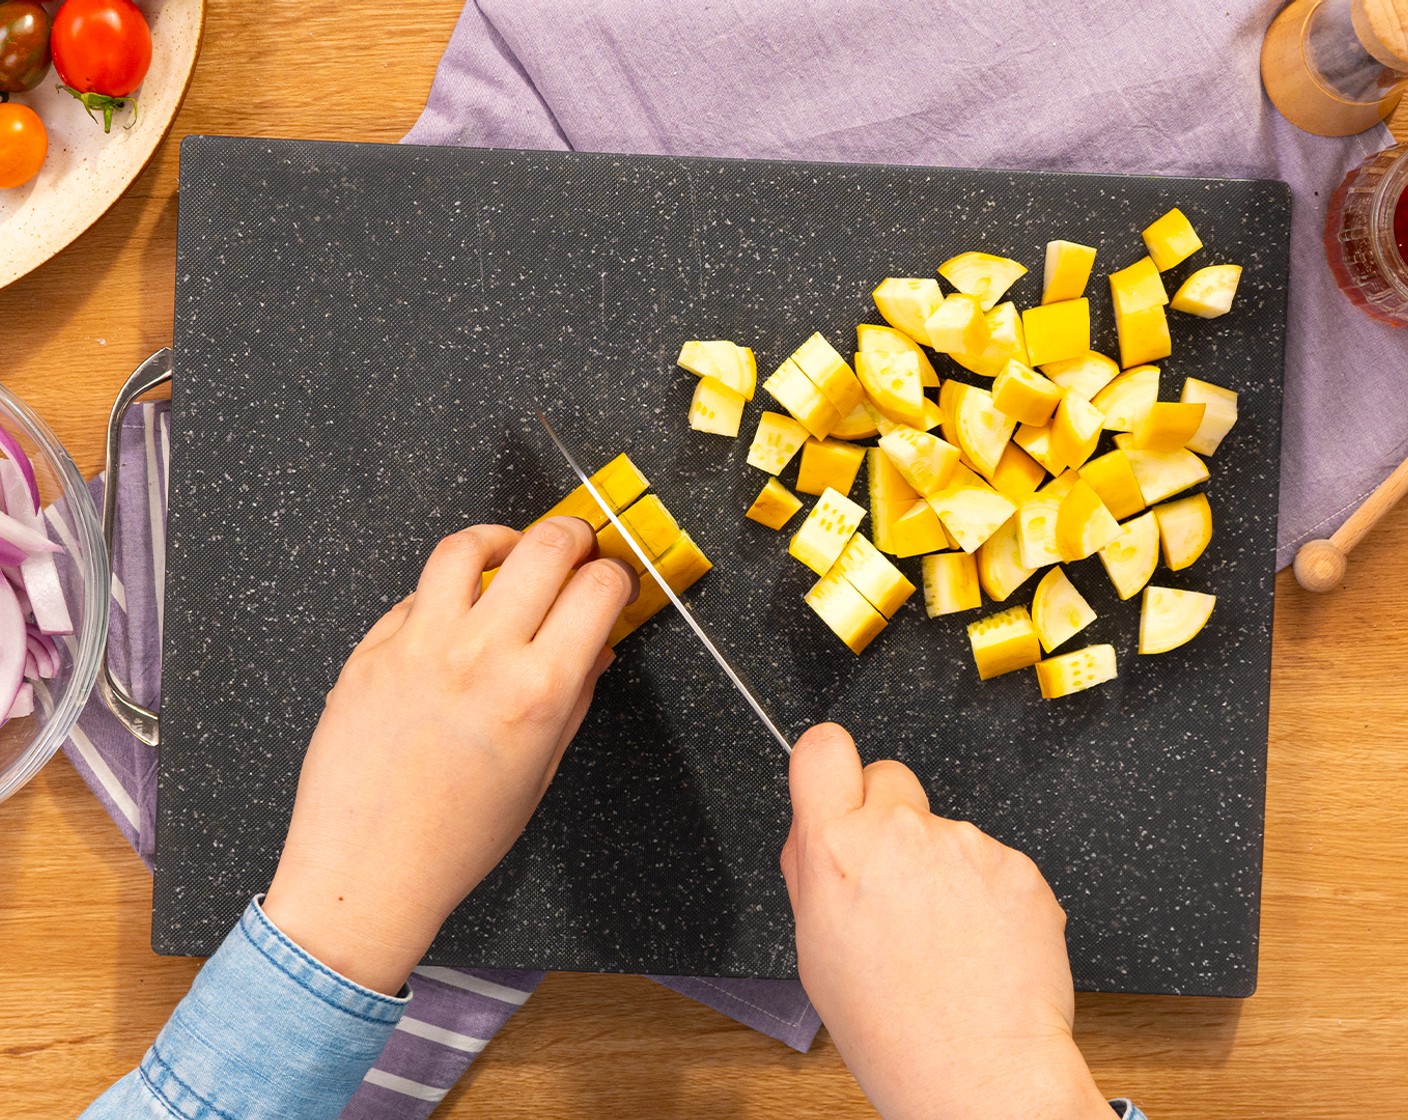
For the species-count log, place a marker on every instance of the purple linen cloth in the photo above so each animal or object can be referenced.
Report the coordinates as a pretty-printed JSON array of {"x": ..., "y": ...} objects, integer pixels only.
[
  {"x": 1100, "y": 85},
  {"x": 455, "y": 1011}
]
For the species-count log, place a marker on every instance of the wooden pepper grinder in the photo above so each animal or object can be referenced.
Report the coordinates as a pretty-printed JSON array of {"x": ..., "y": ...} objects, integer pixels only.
[
  {"x": 1336, "y": 67},
  {"x": 1320, "y": 565}
]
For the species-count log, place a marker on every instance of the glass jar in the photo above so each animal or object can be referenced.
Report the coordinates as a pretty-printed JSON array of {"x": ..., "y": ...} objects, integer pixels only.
[{"x": 1366, "y": 235}]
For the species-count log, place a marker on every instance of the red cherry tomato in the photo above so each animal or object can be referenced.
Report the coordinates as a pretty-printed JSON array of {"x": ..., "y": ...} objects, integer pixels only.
[
  {"x": 101, "y": 46},
  {"x": 23, "y": 144}
]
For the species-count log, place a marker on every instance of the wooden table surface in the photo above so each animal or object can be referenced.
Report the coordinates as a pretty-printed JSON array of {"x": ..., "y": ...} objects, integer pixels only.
[{"x": 81, "y": 994}]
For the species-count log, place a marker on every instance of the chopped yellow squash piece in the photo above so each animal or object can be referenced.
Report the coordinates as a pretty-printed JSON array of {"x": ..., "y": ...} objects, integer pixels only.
[
  {"x": 857, "y": 424},
  {"x": 950, "y": 583},
  {"x": 1059, "y": 611},
  {"x": 1036, "y": 529},
  {"x": 971, "y": 515},
  {"x": 1084, "y": 375},
  {"x": 958, "y": 324},
  {"x": 795, "y": 391},
  {"x": 1171, "y": 240},
  {"x": 846, "y": 611},
  {"x": 870, "y": 336},
  {"x": 829, "y": 464},
  {"x": 917, "y": 530},
  {"x": 1166, "y": 426},
  {"x": 1006, "y": 343},
  {"x": 906, "y": 302},
  {"x": 890, "y": 496},
  {"x": 983, "y": 431},
  {"x": 724, "y": 361},
  {"x": 620, "y": 482},
  {"x": 1017, "y": 474},
  {"x": 1143, "y": 336},
  {"x": 825, "y": 532},
  {"x": 1137, "y": 288},
  {"x": 1208, "y": 292},
  {"x": 982, "y": 275},
  {"x": 716, "y": 408},
  {"x": 828, "y": 371},
  {"x": 681, "y": 565},
  {"x": 778, "y": 438},
  {"x": 1076, "y": 671},
  {"x": 1169, "y": 618},
  {"x": 1113, "y": 479},
  {"x": 774, "y": 505},
  {"x": 1003, "y": 642},
  {"x": 1057, "y": 331},
  {"x": 1061, "y": 485},
  {"x": 1128, "y": 397},
  {"x": 1000, "y": 567},
  {"x": 1185, "y": 528},
  {"x": 1036, "y": 442},
  {"x": 1025, "y": 395},
  {"x": 892, "y": 380},
  {"x": 884, "y": 586},
  {"x": 1068, "y": 266},
  {"x": 1083, "y": 525},
  {"x": 925, "y": 461},
  {"x": 1162, "y": 474},
  {"x": 1220, "y": 414},
  {"x": 1075, "y": 431},
  {"x": 649, "y": 522},
  {"x": 1130, "y": 559}
]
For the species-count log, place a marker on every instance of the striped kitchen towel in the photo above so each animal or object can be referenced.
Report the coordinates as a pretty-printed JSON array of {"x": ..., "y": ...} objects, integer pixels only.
[{"x": 456, "y": 1011}]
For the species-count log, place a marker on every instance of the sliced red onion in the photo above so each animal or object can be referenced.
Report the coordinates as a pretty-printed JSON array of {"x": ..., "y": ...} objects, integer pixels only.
[
  {"x": 46, "y": 595},
  {"x": 45, "y": 654},
  {"x": 11, "y": 555},
  {"x": 13, "y": 646},
  {"x": 24, "y": 702},
  {"x": 31, "y": 667},
  {"x": 32, "y": 540},
  {"x": 21, "y": 460}
]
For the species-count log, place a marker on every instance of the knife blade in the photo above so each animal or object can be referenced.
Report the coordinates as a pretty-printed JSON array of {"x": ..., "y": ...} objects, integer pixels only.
[{"x": 730, "y": 670}]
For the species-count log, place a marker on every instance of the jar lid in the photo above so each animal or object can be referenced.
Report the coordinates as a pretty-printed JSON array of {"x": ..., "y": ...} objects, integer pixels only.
[{"x": 1382, "y": 27}]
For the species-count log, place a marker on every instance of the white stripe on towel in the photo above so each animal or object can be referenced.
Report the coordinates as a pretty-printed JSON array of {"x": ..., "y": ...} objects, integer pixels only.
[
  {"x": 405, "y": 1086},
  {"x": 474, "y": 984}
]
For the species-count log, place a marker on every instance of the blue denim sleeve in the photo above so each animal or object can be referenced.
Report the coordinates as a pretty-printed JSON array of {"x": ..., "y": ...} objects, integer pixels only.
[
  {"x": 265, "y": 1032},
  {"x": 1126, "y": 1109}
]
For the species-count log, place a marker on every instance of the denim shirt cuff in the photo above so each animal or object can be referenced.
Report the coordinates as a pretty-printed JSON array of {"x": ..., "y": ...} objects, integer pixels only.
[{"x": 267, "y": 1030}]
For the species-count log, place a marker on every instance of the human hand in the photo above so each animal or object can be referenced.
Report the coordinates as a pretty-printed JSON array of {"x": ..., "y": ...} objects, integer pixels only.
[
  {"x": 438, "y": 741},
  {"x": 935, "y": 955}
]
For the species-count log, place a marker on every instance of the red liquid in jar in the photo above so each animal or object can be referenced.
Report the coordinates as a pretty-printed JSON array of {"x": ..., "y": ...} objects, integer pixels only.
[
  {"x": 1350, "y": 240},
  {"x": 1400, "y": 225}
]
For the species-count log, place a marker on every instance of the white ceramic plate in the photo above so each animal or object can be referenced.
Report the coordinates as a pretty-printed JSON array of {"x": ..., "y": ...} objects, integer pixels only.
[{"x": 86, "y": 170}]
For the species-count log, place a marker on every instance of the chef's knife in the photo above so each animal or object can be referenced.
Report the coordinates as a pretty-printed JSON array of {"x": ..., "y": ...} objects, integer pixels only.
[{"x": 729, "y": 670}]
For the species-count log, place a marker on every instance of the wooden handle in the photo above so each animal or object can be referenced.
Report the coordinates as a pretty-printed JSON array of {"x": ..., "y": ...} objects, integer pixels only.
[{"x": 1372, "y": 511}]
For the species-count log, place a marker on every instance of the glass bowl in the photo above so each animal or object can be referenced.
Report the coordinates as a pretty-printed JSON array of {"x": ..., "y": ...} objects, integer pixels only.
[{"x": 28, "y": 742}]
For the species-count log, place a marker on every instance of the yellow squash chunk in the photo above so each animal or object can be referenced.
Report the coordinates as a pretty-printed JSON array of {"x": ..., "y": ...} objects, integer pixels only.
[
  {"x": 1006, "y": 343},
  {"x": 906, "y": 302},
  {"x": 846, "y": 611},
  {"x": 1137, "y": 287},
  {"x": 1059, "y": 611},
  {"x": 1166, "y": 426},
  {"x": 1003, "y": 642},
  {"x": 1076, "y": 671},
  {"x": 888, "y": 340},
  {"x": 1000, "y": 567},
  {"x": 857, "y": 424},
  {"x": 1036, "y": 442},
  {"x": 649, "y": 522},
  {"x": 1162, "y": 474},
  {"x": 971, "y": 515},
  {"x": 1025, "y": 395},
  {"x": 829, "y": 464},
  {"x": 950, "y": 583},
  {"x": 1220, "y": 414},
  {"x": 1209, "y": 292},
  {"x": 1084, "y": 375},
  {"x": 774, "y": 505},
  {"x": 778, "y": 438},
  {"x": 1113, "y": 479},
  {"x": 983, "y": 431},
  {"x": 828, "y": 371},
  {"x": 1057, "y": 331},
  {"x": 681, "y": 565},
  {"x": 982, "y": 275},
  {"x": 1185, "y": 528},
  {"x": 825, "y": 532},
  {"x": 1036, "y": 529},
  {"x": 1130, "y": 559},
  {"x": 892, "y": 381},
  {"x": 1171, "y": 240},
  {"x": 1068, "y": 266},
  {"x": 1075, "y": 431},
  {"x": 924, "y": 461},
  {"x": 963, "y": 478},
  {"x": 620, "y": 482},
  {"x": 1143, "y": 336},
  {"x": 1061, "y": 485},
  {"x": 884, "y": 586},
  {"x": 1017, "y": 474},
  {"x": 951, "y": 392},
  {"x": 958, "y": 325},
  {"x": 1083, "y": 525},
  {"x": 884, "y": 422},
  {"x": 716, "y": 408},
  {"x": 890, "y": 496},
  {"x": 917, "y": 531},
  {"x": 724, "y": 361},
  {"x": 1169, "y": 618},
  {"x": 1128, "y": 397},
  {"x": 797, "y": 393}
]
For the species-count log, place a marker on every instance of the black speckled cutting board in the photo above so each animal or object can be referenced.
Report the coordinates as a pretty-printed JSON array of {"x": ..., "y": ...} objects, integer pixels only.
[{"x": 362, "y": 336}]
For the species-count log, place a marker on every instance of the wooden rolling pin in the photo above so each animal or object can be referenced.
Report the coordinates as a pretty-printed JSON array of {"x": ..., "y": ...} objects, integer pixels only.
[{"x": 1320, "y": 565}]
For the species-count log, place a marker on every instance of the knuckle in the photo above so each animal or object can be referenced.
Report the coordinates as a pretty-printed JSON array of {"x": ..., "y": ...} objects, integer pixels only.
[
  {"x": 560, "y": 536},
  {"x": 606, "y": 580},
  {"x": 468, "y": 545}
]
